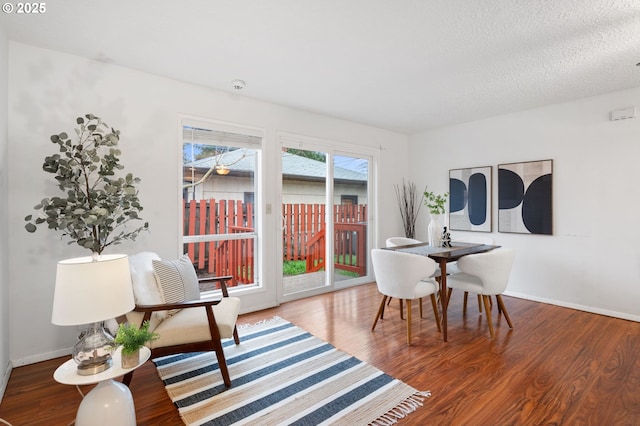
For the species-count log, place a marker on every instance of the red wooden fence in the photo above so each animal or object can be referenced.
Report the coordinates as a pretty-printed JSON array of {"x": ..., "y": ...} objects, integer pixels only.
[{"x": 303, "y": 236}]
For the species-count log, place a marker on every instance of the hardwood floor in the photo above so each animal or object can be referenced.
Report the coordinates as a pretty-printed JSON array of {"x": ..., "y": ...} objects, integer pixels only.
[{"x": 558, "y": 366}]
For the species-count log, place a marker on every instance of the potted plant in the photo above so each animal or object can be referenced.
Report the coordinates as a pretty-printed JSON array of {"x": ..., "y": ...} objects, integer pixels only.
[
  {"x": 95, "y": 205},
  {"x": 132, "y": 338},
  {"x": 436, "y": 204}
]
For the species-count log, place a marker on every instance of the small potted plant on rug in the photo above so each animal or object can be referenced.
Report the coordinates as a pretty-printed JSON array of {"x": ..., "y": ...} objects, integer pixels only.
[
  {"x": 132, "y": 338},
  {"x": 435, "y": 203}
]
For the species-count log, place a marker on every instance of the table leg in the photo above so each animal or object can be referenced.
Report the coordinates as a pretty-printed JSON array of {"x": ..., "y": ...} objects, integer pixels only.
[{"x": 443, "y": 297}]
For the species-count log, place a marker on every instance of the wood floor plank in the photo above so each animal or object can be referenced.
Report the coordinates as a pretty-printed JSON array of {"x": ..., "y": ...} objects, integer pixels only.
[{"x": 557, "y": 366}]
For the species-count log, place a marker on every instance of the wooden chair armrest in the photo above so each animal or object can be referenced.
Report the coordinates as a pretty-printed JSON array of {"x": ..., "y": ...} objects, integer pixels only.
[
  {"x": 179, "y": 305},
  {"x": 149, "y": 309},
  {"x": 223, "y": 282}
]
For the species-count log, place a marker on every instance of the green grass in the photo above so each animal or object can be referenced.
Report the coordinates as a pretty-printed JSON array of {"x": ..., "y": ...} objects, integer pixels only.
[
  {"x": 299, "y": 267},
  {"x": 294, "y": 267}
]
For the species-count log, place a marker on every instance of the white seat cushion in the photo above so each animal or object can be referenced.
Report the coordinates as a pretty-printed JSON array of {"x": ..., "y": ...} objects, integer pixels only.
[
  {"x": 191, "y": 325},
  {"x": 425, "y": 287},
  {"x": 465, "y": 282}
]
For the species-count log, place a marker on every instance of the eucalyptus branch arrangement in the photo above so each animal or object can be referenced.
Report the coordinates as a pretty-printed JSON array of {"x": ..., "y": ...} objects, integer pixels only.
[
  {"x": 435, "y": 202},
  {"x": 409, "y": 206},
  {"x": 96, "y": 205}
]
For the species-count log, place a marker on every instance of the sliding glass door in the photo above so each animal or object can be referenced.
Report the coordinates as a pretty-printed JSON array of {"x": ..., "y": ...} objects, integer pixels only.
[
  {"x": 325, "y": 217},
  {"x": 350, "y": 216}
]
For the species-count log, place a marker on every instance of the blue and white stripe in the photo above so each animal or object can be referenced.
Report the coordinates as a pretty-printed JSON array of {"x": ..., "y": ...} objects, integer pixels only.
[{"x": 281, "y": 374}]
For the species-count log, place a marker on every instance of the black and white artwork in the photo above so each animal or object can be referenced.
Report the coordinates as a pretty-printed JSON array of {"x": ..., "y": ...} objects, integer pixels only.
[
  {"x": 524, "y": 197},
  {"x": 470, "y": 199}
]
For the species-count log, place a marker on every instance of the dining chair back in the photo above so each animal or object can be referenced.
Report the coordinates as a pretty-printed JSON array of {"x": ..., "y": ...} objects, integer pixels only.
[
  {"x": 486, "y": 274},
  {"x": 404, "y": 241},
  {"x": 400, "y": 241},
  {"x": 452, "y": 268},
  {"x": 493, "y": 268},
  {"x": 402, "y": 275}
]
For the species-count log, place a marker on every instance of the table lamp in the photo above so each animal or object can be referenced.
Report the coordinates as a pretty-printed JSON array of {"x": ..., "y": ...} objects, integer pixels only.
[{"x": 90, "y": 290}]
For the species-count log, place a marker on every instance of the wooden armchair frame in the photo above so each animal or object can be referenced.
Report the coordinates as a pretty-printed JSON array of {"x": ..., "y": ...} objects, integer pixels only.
[{"x": 215, "y": 344}]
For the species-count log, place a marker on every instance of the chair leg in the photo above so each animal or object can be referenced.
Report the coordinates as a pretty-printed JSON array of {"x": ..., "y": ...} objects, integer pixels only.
[
  {"x": 380, "y": 312},
  {"x": 479, "y": 303},
  {"x": 409, "y": 322},
  {"x": 401, "y": 311},
  {"x": 236, "y": 338},
  {"x": 420, "y": 301},
  {"x": 434, "y": 305},
  {"x": 503, "y": 309},
  {"x": 487, "y": 310},
  {"x": 464, "y": 302},
  {"x": 217, "y": 347},
  {"x": 222, "y": 363}
]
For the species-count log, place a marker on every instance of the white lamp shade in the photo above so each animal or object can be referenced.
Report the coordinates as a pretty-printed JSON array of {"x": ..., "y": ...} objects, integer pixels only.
[{"x": 89, "y": 290}]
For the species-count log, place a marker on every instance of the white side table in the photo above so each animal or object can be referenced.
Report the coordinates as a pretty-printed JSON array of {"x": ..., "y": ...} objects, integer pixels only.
[{"x": 110, "y": 403}]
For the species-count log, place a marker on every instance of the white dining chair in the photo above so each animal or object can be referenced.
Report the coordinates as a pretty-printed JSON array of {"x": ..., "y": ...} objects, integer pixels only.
[
  {"x": 485, "y": 274},
  {"x": 404, "y": 241},
  {"x": 402, "y": 275},
  {"x": 400, "y": 241},
  {"x": 452, "y": 268}
]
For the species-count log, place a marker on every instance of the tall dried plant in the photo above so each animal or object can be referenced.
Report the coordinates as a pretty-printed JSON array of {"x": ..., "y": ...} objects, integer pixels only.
[{"x": 409, "y": 205}]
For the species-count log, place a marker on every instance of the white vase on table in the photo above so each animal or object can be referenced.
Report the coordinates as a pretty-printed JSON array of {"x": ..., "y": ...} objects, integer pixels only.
[{"x": 435, "y": 230}]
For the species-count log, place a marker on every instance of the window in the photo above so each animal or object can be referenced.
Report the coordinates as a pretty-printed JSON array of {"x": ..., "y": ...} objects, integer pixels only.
[
  {"x": 349, "y": 200},
  {"x": 220, "y": 230}
]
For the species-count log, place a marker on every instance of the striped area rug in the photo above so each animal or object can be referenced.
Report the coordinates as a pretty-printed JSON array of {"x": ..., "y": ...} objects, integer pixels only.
[{"x": 282, "y": 374}]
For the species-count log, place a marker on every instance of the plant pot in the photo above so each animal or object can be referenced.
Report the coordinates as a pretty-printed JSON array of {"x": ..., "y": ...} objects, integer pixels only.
[
  {"x": 435, "y": 231},
  {"x": 130, "y": 360}
]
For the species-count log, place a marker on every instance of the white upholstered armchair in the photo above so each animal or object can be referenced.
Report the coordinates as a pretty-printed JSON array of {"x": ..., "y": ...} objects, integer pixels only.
[{"x": 167, "y": 294}]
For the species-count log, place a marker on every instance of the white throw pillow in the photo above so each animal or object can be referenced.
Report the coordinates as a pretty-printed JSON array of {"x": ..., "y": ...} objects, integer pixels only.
[
  {"x": 145, "y": 286},
  {"x": 177, "y": 280}
]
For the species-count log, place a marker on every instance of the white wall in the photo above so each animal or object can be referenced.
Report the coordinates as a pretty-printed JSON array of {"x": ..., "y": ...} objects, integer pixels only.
[
  {"x": 592, "y": 261},
  {"x": 5, "y": 368},
  {"x": 49, "y": 89}
]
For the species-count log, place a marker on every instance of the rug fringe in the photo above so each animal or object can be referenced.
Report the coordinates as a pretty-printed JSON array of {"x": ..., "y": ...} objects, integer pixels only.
[{"x": 402, "y": 410}]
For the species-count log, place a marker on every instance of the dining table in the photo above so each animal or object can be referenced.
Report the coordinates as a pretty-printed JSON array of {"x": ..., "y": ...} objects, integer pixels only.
[{"x": 442, "y": 256}]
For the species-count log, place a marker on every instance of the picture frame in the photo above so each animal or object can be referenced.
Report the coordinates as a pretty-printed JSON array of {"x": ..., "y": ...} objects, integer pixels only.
[
  {"x": 525, "y": 197},
  {"x": 470, "y": 199}
]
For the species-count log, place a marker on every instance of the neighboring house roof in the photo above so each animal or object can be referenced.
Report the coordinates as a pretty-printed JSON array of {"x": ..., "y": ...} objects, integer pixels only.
[{"x": 292, "y": 166}]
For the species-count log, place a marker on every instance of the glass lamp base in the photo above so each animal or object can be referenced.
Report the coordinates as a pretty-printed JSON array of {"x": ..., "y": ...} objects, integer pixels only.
[
  {"x": 93, "y": 351},
  {"x": 91, "y": 369}
]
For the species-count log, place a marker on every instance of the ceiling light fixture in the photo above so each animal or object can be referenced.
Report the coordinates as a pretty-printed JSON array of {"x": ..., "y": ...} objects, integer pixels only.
[{"x": 238, "y": 84}]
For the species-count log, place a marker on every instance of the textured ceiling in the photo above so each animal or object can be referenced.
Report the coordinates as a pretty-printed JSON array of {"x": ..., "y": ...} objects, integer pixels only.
[{"x": 404, "y": 65}]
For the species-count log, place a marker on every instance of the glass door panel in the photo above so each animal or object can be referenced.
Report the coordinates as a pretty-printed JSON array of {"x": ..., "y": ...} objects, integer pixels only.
[
  {"x": 350, "y": 216},
  {"x": 304, "y": 204},
  {"x": 219, "y": 217}
]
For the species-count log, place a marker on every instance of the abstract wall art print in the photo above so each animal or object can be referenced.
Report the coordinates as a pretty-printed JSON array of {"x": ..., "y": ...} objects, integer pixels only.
[
  {"x": 524, "y": 197},
  {"x": 470, "y": 199}
]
